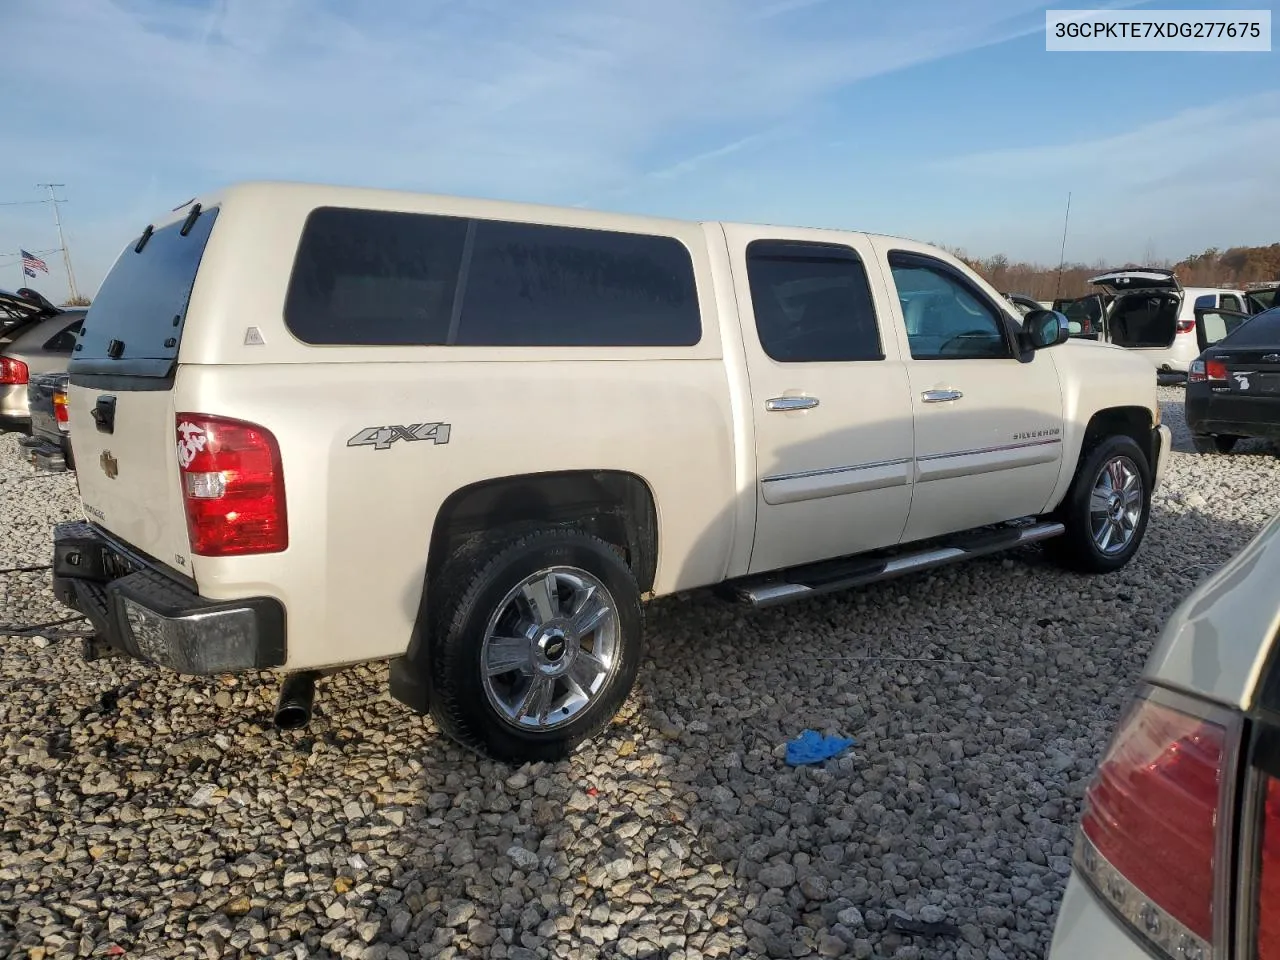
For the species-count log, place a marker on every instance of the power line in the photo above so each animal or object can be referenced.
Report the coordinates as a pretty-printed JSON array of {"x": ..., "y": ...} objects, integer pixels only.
[{"x": 20, "y": 203}]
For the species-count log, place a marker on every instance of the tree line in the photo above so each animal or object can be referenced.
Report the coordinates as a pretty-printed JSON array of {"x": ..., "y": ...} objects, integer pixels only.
[{"x": 1233, "y": 267}]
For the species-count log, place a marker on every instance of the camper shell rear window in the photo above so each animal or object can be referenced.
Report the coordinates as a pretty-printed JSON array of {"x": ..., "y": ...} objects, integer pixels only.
[{"x": 134, "y": 325}]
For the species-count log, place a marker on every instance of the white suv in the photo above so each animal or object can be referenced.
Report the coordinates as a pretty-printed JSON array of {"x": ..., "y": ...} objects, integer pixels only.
[{"x": 1154, "y": 315}]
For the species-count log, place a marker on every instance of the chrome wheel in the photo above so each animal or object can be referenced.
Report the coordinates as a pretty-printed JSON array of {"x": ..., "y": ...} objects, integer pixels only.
[
  {"x": 550, "y": 649},
  {"x": 1115, "y": 506}
]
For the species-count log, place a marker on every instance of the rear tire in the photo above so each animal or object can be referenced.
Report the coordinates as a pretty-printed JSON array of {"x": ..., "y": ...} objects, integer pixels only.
[
  {"x": 1211, "y": 444},
  {"x": 1106, "y": 509},
  {"x": 536, "y": 646}
]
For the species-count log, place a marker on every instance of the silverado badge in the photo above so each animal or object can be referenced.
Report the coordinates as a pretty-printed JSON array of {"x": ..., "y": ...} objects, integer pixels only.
[{"x": 109, "y": 465}]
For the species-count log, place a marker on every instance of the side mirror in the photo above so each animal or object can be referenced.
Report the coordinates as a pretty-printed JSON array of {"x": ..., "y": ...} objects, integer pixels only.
[{"x": 1045, "y": 328}]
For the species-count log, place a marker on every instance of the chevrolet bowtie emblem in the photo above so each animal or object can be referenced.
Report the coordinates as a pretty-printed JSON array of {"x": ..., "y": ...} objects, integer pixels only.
[{"x": 109, "y": 465}]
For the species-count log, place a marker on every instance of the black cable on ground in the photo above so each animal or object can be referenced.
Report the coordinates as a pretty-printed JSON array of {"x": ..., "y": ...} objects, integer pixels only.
[
  {"x": 43, "y": 566},
  {"x": 37, "y": 629}
]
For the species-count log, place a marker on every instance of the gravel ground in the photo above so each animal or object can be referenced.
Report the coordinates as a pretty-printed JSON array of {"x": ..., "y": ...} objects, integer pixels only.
[{"x": 146, "y": 815}]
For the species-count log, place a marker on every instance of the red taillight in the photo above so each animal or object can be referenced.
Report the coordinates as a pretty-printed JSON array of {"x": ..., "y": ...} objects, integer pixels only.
[
  {"x": 1268, "y": 902},
  {"x": 60, "y": 407},
  {"x": 13, "y": 373},
  {"x": 233, "y": 486},
  {"x": 1186, "y": 326},
  {"x": 1151, "y": 825},
  {"x": 1202, "y": 370}
]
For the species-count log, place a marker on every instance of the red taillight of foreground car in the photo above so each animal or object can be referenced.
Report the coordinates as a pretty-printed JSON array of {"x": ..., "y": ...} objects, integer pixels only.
[
  {"x": 13, "y": 373},
  {"x": 1268, "y": 901},
  {"x": 232, "y": 485},
  {"x": 1152, "y": 824}
]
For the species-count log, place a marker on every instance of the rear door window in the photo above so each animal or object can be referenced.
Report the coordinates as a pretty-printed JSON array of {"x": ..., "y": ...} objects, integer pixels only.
[
  {"x": 366, "y": 277},
  {"x": 1230, "y": 302},
  {"x": 134, "y": 324},
  {"x": 812, "y": 303}
]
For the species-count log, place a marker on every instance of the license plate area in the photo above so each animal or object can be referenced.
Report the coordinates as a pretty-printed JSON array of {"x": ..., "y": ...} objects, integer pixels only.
[{"x": 1264, "y": 383}]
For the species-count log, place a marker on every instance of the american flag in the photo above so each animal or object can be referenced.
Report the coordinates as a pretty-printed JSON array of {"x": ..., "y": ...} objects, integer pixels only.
[{"x": 31, "y": 263}]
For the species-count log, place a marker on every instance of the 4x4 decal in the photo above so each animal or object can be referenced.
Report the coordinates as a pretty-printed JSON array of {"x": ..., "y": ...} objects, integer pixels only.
[{"x": 381, "y": 438}]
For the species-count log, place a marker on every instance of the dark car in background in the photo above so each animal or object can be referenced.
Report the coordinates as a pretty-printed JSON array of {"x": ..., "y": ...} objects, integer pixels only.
[
  {"x": 49, "y": 447},
  {"x": 1233, "y": 387},
  {"x": 35, "y": 337}
]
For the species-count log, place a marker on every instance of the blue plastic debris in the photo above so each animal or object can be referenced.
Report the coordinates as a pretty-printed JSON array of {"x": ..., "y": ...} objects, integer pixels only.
[{"x": 813, "y": 747}]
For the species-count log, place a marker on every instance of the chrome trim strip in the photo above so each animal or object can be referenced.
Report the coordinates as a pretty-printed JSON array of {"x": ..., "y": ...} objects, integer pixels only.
[
  {"x": 972, "y": 463},
  {"x": 1048, "y": 441},
  {"x": 825, "y": 471},
  {"x": 835, "y": 482}
]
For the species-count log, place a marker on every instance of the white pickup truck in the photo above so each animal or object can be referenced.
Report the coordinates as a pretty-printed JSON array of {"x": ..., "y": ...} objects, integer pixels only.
[{"x": 317, "y": 426}]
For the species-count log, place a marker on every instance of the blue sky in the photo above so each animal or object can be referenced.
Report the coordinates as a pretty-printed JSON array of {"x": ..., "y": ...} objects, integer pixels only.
[{"x": 939, "y": 120}]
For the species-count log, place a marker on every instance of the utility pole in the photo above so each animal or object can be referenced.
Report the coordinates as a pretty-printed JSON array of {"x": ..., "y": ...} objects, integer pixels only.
[{"x": 66, "y": 254}]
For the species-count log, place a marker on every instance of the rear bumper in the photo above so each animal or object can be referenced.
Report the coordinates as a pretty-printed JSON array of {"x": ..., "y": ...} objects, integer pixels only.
[
  {"x": 1161, "y": 444},
  {"x": 46, "y": 455},
  {"x": 1230, "y": 414},
  {"x": 150, "y": 616}
]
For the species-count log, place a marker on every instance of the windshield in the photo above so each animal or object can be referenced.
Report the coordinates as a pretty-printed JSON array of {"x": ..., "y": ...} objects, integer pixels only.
[{"x": 134, "y": 325}]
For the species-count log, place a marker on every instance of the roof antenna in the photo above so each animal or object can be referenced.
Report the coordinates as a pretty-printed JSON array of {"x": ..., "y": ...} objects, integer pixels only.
[{"x": 1062, "y": 257}]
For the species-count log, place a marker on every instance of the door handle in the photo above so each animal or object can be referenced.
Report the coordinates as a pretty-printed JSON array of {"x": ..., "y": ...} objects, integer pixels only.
[
  {"x": 790, "y": 403},
  {"x": 940, "y": 396}
]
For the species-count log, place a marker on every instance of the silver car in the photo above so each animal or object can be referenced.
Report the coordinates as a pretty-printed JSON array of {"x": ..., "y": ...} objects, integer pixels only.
[
  {"x": 35, "y": 337},
  {"x": 1178, "y": 852}
]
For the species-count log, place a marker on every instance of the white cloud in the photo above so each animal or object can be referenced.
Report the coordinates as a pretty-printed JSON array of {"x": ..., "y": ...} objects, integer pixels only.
[{"x": 1197, "y": 178}]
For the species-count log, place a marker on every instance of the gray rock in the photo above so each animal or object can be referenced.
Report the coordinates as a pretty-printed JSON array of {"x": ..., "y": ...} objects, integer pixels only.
[{"x": 777, "y": 875}]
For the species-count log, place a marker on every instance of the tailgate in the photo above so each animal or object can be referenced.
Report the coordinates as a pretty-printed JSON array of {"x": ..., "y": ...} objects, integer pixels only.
[
  {"x": 121, "y": 394},
  {"x": 128, "y": 474}
]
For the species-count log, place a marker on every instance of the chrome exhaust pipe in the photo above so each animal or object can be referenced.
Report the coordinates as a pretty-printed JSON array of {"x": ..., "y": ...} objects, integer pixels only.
[{"x": 297, "y": 693}]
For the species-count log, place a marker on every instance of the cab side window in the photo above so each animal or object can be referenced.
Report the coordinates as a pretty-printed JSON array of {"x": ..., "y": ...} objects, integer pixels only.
[
  {"x": 1231, "y": 302},
  {"x": 812, "y": 303},
  {"x": 946, "y": 318}
]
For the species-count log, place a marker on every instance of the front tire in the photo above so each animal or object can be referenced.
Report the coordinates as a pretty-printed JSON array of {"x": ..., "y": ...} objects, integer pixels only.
[
  {"x": 1211, "y": 444},
  {"x": 537, "y": 645},
  {"x": 1106, "y": 510}
]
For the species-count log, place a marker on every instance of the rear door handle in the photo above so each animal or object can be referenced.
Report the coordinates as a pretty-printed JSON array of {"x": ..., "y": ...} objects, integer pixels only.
[
  {"x": 790, "y": 403},
  {"x": 940, "y": 396}
]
